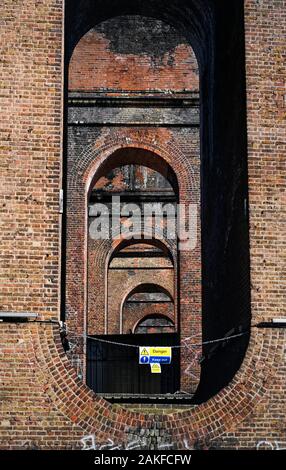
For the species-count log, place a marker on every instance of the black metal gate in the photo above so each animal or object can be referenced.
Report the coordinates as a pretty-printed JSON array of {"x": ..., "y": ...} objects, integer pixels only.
[{"x": 115, "y": 369}]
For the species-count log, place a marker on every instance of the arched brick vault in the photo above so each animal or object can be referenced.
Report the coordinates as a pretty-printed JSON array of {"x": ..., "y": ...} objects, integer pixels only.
[
  {"x": 81, "y": 179},
  {"x": 132, "y": 322},
  {"x": 133, "y": 286},
  {"x": 132, "y": 282},
  {"x": 100, "y": 255},
  {"x": 159, "y": 287},
  {"x": 223, "y": 147},
  {"x": 156, "y": 314},
  {"x": 99, "y": 259},
  {"x": 151, "y": 140},
  {"x": 208, "y": 26}
]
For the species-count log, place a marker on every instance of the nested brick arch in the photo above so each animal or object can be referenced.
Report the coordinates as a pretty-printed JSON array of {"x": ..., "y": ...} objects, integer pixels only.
[
  {"x": 107, "y": 249},
  {"x": 89, "y": 166},
  {"x": 169, "y": 283},
  {"x": 114, "y": 296},
  {"x": 168, "y": 246},
  {"x": 150, "y": 286},
  {"x": 135, "y": 286},
  {"x": 208, "y": 26},
  {"x": 155, "y": 315},
  {"x": 82, "y": 176},
  {"x": 130, "y": 322},
  {"x": 80, "y": 180},
  {"x": 101, "y": 254}
]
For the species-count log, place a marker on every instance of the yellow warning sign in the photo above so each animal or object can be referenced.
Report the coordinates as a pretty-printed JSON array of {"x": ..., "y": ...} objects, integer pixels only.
[
  {"x": 155, "y": 354},
  {"x": 144, "y": 352},
  {"x": 160, "y": 351},
  {"x": 155, "y": 368}
]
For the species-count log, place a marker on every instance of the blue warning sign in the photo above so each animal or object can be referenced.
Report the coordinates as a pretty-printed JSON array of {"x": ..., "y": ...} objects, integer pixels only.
[{"x": 144, "y": 359}]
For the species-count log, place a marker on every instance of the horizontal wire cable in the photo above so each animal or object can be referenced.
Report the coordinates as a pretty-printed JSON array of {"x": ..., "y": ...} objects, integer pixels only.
[{"x": 217, "y": 340}]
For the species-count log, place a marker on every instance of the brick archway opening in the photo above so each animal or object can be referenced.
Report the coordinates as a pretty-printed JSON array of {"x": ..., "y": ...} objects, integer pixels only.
[
  {"x": 144, "y": 301},
  {"x": 153, "y": 324},
  {"x": 140, "y": 178},
  {"x": 224, "y": 191}
]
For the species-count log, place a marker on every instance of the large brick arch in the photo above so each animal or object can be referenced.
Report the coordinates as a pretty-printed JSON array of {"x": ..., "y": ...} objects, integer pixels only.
[
  {"x": 198, "y": 425},
  {"x": 81, "y": 178},
  {"x": 207, "y": 27}
]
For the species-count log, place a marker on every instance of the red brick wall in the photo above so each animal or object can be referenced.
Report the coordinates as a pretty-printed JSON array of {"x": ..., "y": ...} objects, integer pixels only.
[
  {"x": 31, "y": 111},
  {"x": 43, "y": 404}
]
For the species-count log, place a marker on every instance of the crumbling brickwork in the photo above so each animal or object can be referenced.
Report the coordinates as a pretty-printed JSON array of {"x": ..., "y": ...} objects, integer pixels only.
[
  {"x": 110, "y": 58},
  {"x": 44, "y": 404}
]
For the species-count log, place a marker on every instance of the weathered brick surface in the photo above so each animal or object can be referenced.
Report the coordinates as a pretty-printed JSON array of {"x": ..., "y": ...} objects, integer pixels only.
[
  {"x": 265, "y": 29},
  {"x": 31, "y": 109},
  {"x": 106, "y": 58},
  {"x": 43, "y": 404}
]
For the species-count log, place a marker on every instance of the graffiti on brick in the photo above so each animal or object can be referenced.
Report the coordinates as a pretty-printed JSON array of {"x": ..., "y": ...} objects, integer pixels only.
[
  {"x": 89, "y": 443},
  {"x": 270, "y": 445},
  {"x": 138, "y": 443}
]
